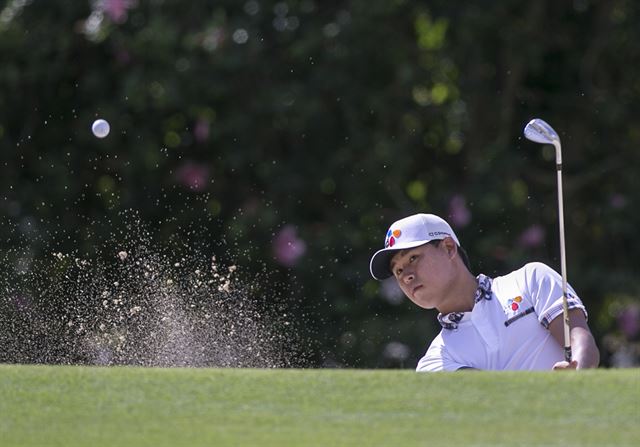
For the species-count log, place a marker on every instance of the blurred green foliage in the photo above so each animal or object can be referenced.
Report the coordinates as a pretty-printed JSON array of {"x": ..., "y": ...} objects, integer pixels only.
[{"x": 331, "y": 119}]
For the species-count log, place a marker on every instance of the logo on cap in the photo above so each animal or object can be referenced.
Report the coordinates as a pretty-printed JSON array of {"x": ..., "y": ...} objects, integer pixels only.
[{"x": 392, "y": 235}]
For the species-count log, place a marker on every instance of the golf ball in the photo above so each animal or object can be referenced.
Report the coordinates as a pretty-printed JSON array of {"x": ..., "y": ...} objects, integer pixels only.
[{"x": 100, "y": 128}]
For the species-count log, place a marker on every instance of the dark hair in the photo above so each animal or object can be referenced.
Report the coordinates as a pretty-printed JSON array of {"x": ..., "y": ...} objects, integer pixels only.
[{"x": 465, "y": 258}]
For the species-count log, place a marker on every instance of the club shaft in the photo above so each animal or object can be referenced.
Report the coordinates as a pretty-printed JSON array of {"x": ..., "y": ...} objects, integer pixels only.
[{"x": 563, "y": 267}]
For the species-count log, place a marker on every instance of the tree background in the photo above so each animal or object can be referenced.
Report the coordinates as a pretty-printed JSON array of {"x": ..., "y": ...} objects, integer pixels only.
[{"x": 288, "y": 135}]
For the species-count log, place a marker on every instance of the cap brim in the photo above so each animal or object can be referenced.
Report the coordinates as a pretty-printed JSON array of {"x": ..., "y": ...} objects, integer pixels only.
[{"x": 379, "y": 265}]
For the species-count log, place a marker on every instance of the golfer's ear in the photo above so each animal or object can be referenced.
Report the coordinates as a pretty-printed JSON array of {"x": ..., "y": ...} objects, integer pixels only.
[{"x": 451, "y": 246}]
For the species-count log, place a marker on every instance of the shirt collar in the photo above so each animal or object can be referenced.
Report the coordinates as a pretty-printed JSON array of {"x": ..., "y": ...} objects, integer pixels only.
[{"x": 483, "y": 292}]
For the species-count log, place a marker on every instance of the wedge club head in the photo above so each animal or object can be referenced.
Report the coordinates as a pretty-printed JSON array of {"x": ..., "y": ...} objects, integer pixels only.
[{"x": 539, "y": 131}]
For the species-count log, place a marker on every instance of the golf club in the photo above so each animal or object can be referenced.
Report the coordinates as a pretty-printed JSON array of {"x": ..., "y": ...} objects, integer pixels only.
[{"x": 539, "y": 131}]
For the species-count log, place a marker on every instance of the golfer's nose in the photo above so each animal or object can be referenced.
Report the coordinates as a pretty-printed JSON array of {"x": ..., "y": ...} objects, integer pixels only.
[{"x": 408, "y": 277}]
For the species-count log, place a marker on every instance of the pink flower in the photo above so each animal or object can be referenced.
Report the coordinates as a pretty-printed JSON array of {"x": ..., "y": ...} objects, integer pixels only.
[
  {"x": 459, "y": 214},
  {"x": 617, "y": 201},
  {"x": 201, "y": 130},
  {"x": 193, "y": 175},
  {"x": 532, "y": 237},
  {"x": 117, "y": 9},
  {"x": 629, "y": 321},
  {"x": 288, "y": 247}
]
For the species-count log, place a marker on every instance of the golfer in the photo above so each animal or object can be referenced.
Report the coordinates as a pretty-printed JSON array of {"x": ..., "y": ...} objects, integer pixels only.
[{"x": 510, "y": 322}]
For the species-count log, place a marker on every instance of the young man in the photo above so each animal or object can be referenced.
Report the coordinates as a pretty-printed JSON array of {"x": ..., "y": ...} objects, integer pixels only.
[{"x": 511, "y": 322}]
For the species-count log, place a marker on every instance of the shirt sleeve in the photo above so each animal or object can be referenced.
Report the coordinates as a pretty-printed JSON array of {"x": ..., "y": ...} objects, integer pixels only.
[
  {"x": 437, "y": 358},
  {"x": 545, "y": 291}
]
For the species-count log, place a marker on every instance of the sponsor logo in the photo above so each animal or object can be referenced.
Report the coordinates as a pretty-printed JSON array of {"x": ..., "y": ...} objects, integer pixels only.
[
  {"x": 513, "y": 305},
  {"x": 392, "y": 236}
]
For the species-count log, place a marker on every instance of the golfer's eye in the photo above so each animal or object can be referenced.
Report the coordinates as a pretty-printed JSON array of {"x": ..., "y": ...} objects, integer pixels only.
[
  {"x": 413, "y": 258},
  {"x": 398, "y": 272}
]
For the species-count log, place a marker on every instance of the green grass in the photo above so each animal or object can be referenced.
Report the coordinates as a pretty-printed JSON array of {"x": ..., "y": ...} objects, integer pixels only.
[{"x": 82, "y": 406}]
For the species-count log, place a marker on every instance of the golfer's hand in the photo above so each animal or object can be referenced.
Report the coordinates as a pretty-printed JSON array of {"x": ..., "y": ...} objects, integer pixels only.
[{"x": 566, "y": 365}]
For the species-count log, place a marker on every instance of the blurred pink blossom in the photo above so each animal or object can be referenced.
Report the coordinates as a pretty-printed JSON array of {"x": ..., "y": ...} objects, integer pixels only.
[
  {"x": 201, "y": 130},
  {"x": 288, "y": 247},
  {"x": 459, "y": 214},
  {"x": 193, "y": 175},
  {"x": 617, "y": 201},
  {"x": 117, "y": 10},
  {"x": 532, "y": 237},
  {"x": 629, "y": 321}
]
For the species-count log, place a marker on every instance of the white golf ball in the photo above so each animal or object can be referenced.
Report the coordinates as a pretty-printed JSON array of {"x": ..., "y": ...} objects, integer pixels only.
[{"x": 100, "y": 128}]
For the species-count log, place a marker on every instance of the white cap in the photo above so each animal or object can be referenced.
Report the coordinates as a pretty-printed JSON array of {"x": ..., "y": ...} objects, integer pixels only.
[{"x": 409, "y": 232}]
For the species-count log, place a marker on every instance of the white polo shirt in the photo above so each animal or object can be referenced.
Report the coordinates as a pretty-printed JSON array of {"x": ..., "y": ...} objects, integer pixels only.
[{"x": 509, "y": 331}]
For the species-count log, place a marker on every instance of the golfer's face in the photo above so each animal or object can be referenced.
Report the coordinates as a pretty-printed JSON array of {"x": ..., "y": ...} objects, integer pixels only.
[{"x": 421, "y": 273}]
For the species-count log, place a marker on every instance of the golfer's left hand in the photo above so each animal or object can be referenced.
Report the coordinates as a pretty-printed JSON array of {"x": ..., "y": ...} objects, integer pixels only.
[{"x": 566, "y": 365}]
